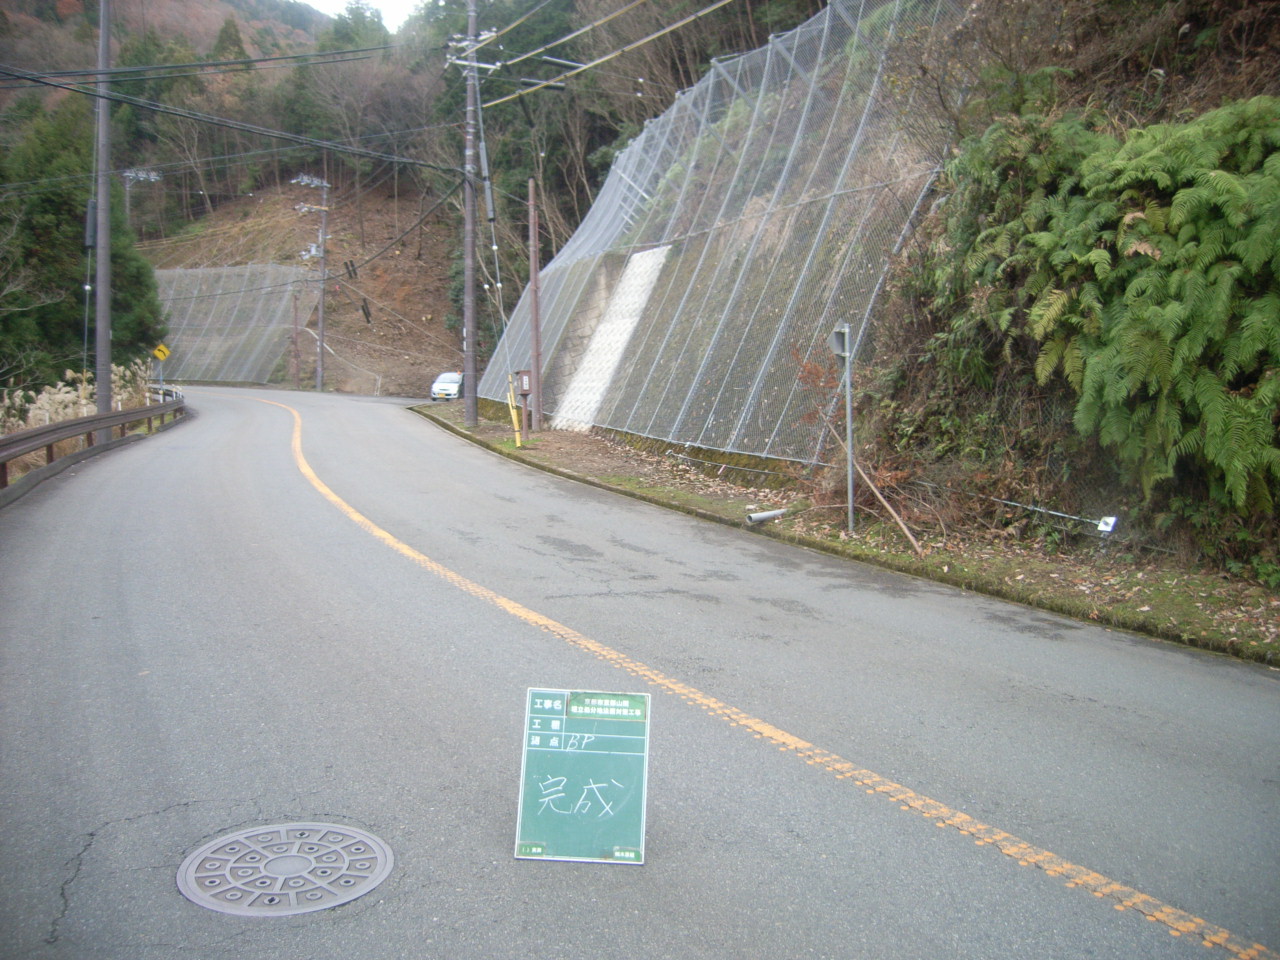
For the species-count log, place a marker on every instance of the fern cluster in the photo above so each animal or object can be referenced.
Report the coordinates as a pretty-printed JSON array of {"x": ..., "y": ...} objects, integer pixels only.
[{"x": 1147, "y": 273}]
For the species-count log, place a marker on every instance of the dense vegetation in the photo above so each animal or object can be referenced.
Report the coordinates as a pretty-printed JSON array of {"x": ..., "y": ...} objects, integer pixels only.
[
  {"x": 1091, "y": 317},
  {"x": 44, "y": 286}
]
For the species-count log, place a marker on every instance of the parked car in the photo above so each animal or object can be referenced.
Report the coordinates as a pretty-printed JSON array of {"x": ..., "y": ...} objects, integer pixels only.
[{"x": 448, "y": 386}]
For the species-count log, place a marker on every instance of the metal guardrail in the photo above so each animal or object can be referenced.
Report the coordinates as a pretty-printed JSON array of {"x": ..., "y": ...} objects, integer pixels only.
[{"x": 23, "y": 442}]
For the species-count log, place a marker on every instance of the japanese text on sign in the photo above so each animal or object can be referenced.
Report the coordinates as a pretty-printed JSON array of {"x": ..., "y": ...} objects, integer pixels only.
[{"x": 583, "y": 776}]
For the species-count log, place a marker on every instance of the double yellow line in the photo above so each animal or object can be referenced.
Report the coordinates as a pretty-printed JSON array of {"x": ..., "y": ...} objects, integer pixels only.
[{"x": 1178, "y": 922}]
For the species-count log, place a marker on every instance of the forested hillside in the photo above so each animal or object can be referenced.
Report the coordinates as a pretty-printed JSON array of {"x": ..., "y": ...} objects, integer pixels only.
[
  {"x": 1086, "y": 317},
  {"x": 396, "y": 98}
]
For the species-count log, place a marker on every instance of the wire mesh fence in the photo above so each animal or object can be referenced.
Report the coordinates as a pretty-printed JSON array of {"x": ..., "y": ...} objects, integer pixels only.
[
  {"x": 233, "y": 324},
  {"x": 758, "y": 213}
]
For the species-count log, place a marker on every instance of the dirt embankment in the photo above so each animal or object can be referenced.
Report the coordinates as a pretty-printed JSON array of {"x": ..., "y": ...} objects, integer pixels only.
[{"x": 387, "y": 297}]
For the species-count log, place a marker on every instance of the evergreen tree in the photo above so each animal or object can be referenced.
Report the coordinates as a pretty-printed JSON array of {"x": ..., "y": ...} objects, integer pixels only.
[
  {"x": 229, "y": 45},
  {"x": 54, "y": 159}
]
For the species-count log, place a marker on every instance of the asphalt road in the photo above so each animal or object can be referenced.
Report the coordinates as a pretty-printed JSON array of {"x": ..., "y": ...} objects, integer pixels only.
[{"x": 197, "y": 639}]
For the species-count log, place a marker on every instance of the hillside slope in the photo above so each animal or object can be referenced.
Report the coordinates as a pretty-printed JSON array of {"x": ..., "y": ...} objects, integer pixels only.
[{"x": 401, "y": 273}]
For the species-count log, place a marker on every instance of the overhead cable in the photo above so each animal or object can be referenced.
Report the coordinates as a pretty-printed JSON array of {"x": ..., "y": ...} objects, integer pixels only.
[
  {"x": 609, "y": 56},
  {"x": 123, "y": 78},
  {"x": 222, "y": 122},
  {"x": 575, "y": 34},
  {"x": 489, "y": 38},
  {"x": 115, "y": 71},
  {"x": 330, "y": 274},
  {"x": 11, "y": 189},
  {"x": 129, "y": 74}
]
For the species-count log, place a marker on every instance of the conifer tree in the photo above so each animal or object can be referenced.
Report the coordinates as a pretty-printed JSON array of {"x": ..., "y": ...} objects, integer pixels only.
[{"x": 54, "y": 161}]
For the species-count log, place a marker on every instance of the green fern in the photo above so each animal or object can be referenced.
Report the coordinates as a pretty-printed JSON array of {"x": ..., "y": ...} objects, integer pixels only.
[
  {"x": 1155, "y": 296},
  {"x": 1144, "y": 273}
]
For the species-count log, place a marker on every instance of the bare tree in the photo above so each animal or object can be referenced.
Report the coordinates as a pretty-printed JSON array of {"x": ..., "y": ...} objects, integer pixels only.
[{"x": 186, "y": 140}]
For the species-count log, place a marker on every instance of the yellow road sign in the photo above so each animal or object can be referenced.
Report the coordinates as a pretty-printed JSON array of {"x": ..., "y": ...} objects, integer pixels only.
[{"x": 161, "y": 352}]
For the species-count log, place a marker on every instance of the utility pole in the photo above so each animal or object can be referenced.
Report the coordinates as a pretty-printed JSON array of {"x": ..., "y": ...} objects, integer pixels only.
[
  {"x": 309, "y": 181},
  {"x": 324, "y": 283},
  {"x": 535, "y": 314},
  {"x": 469, "y": 228},
  {"x": 102, "y": 272},
  {"x": 132, "y": 176}
]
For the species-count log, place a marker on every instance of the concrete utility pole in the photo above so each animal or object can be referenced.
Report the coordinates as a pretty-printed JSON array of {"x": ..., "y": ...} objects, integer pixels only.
[
  {"x": 309, "y": 181},
  {"x": 102, "y": 270},
  {"x": 469, "y": 384},
  {"x": 324, "y": 283},
  {"x": 535, "y": 313},
  {"x": 132, "y": 176}
]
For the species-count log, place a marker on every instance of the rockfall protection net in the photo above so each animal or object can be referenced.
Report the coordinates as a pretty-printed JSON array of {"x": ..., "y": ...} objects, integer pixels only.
[
  {"x": 233, "y": 324},
  {"x": 732, "y": 236}
]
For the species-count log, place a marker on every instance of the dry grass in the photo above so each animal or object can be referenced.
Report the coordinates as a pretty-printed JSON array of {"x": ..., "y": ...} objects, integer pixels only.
[{"x": 72, "y": 397}]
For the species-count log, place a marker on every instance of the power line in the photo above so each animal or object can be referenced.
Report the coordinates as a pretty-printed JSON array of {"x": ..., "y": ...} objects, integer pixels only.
[
  {"x": 610, "y": 56},
  {"x": 232, "y": 124},
  {"x": 125, "y": 78},
  {"x": 116, "y": 71},
  {"x": 222, "y": 122},
  {"x": 577, "y": 33},
  {"x": 329, "y": 275},
  {"x": 485, "y": 41},
  {"x": 125, "y": 74},
  {"x": 247, "y": 156}
]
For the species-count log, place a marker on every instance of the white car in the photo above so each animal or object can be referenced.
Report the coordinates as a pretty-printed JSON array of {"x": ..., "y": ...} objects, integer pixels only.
[{"x": 448, "y": 386}]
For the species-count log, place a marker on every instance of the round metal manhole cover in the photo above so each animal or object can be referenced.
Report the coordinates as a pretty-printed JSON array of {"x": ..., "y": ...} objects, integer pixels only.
[{"x": 285, "y": 869}]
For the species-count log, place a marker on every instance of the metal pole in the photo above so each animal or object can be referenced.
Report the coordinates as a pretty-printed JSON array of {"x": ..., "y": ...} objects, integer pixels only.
[
  {"x": 535, "y": 317},
  {"x": 297, "y": 357},
  {"x": 102, "y": 280},
  {"x": 848, "y": 418},
  {"x": 324, "y": 228},
  {"x": 472, "y": 415}
]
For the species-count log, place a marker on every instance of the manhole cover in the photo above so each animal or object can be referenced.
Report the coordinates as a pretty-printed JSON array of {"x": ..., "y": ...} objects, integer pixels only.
[{"x": 285, "y": 869}]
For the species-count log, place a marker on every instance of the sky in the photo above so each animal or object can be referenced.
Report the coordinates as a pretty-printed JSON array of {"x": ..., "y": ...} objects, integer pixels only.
[{"x": 394, "y": 12}]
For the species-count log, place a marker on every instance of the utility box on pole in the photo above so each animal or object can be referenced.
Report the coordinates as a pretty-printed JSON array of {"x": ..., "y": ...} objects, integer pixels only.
[
  {"x": 524, "y": 387},
  {"x": 839, "y": 341}
]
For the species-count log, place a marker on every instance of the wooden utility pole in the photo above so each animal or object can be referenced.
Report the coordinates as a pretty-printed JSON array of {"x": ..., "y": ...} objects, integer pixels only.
[{"x": 102, "y": 270}]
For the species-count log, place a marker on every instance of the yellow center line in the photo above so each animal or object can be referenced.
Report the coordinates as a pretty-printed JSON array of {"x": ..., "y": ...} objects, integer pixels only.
[{"x": 1178, "y": 922}]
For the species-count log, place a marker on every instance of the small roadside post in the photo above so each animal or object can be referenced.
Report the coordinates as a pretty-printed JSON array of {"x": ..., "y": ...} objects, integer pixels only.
[
  {"x": 583, "y": 776},
  {"x": 516, "y": 416},
  {"x": 840, "y": 346},
  {"x": 524, "y": 387}
]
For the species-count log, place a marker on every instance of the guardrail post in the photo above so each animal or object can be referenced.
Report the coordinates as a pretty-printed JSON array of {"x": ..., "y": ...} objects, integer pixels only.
[{"x": 96, "y": 429}]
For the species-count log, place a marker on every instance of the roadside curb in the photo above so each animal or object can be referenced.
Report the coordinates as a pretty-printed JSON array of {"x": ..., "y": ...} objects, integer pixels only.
[
  {"x": 1106, "y": 617},
  {"x": 514, "y": 455}
]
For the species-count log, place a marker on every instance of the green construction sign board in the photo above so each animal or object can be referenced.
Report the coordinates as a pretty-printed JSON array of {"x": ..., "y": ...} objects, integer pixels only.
[{"x": 582, "y": 780}]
